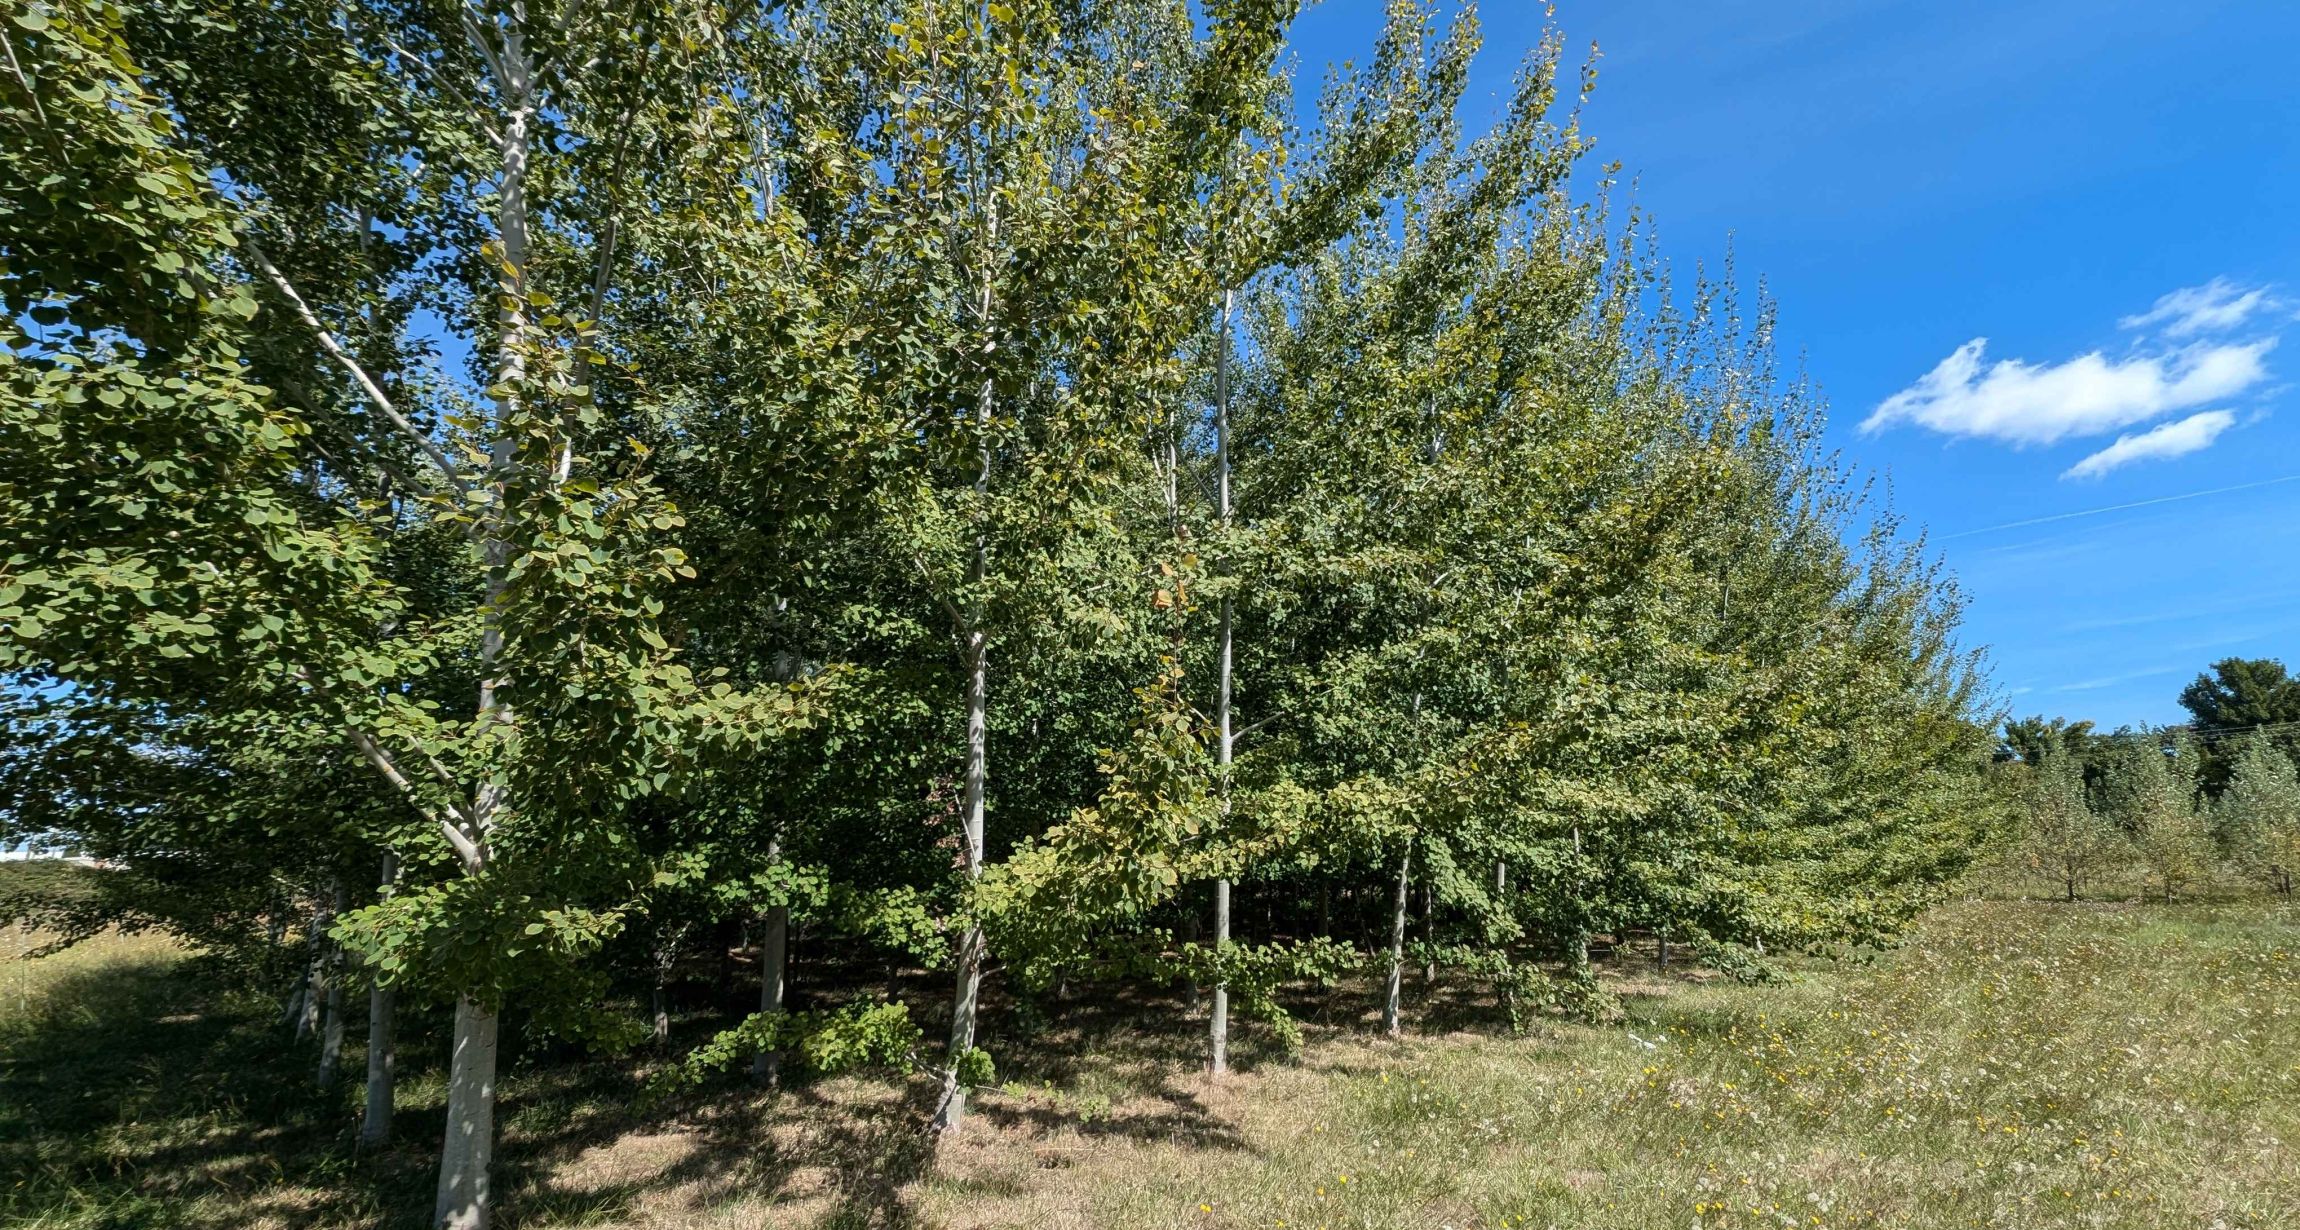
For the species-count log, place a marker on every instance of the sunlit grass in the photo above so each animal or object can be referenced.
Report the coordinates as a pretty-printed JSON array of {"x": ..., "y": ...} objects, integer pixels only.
[{"x": 2019, "y": 1065}]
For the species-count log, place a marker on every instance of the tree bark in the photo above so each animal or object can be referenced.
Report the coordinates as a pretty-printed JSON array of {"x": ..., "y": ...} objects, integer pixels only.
[
  {"x": 970, "y": 950},
  {"x": 382, "y": 1058},
  {"x": 382, "y": 1066},
  {"x": 774, "y": 952},
  {"x": 1429, "y": 928},
  {"x": 331, "y": 1018},
  {"x": 464, "y": 1201},
  {"x": 975, "y": 645},
  {"x": 293, "y": 1017},
  {"x": 1190, "y": 935},
  {"x": 1391, "y": 1023},
  {"x": 315, "y": 975},
  {"x": 1218, "y": 1027}
]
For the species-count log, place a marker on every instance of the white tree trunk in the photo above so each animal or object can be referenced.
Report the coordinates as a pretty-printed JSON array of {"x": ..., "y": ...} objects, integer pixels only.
[
  {"x": 1218, "y": 1028},
  {"x": 293, "y": 1017},
  {"x": 970, "y": 949},
  {"x": 464, "y": 1200},
  {"x": 382, "y": 1066},
  {"x": 315, "y": 975},
  {"x": 774, "y": 947},
  {"x": 382, "y": 1059},
  {"x": 331, "y": 1017},
  {"x": 1190, "y": 935},
  {"x": 1429, "y": 929},
  {"x": 1391, "y": 1023}
]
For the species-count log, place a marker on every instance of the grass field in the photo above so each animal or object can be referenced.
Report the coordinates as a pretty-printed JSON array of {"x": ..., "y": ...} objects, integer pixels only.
[{"x": 2018, "y": 1064}]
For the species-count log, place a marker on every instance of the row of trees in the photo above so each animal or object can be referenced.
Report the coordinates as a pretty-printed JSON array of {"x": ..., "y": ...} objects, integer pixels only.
[
  {"x": 515, "y": 493},
  {"x": 2182, "y": 804}
]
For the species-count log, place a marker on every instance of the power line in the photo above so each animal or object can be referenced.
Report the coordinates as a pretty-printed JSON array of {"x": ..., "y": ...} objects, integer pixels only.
[{"x": 2205, "y": 734}]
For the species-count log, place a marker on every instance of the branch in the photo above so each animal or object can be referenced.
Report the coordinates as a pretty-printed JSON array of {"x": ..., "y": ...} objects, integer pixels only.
[
  {"x": 465, "y": 848},
  {"x": 389, "y": 473},
  {"x": 478, "y": 116},
  {"x": 21, "y": 79},
  {"x": 957, "y": 620},
  {"x": 475, "y": 28},
  {"x": 1243, "y": 731},
  {"x": 359, "y": 374}
]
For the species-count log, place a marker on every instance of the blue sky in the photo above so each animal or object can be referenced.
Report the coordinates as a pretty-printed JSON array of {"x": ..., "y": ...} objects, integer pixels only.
[{"x": 2048, "y": 175}]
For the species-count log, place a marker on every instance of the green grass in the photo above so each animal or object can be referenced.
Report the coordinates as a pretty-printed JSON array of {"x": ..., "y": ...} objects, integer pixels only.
[{"x": 2018, "y": 1064}]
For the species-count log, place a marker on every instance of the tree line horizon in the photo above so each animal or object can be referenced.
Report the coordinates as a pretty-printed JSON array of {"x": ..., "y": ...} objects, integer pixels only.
[
  {"x": 505, "y": 502},
  {"x": 2182, "y": 803}
]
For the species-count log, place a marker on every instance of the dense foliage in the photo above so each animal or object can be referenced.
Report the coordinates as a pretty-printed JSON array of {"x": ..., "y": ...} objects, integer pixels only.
[{"x": 975, "y": 484}]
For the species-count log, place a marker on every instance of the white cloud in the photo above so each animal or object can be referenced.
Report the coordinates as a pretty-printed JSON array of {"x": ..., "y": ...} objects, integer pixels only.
[
  {"x": 2031, "y": 403},
  {"x": 2110, "y": 681},
  {"x": 2177, "y": 439},
  {"x": 2215, "y": 306}
]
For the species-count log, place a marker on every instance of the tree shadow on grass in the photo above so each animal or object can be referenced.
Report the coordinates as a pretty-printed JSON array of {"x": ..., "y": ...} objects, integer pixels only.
[
  {"x": 135, "y": 1093},
  {"x": 142, "y": 1092}
]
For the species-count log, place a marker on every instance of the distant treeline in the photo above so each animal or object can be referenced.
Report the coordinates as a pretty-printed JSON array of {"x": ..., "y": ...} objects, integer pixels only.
[{"x": 2182, "y": 803}]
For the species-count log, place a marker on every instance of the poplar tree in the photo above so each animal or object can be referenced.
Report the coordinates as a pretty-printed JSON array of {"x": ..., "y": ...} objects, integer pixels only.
[
  {"x": 2066, "y": 842},
  {"x": 234, "y": 529},
  {"x": 2257, "y": 818}
]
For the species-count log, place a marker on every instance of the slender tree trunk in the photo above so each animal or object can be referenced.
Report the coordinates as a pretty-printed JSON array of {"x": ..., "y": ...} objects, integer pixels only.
[
  {"x": 382, "y": 1065},
  {"x": 314, "y": 976},
  {"x": 331, "y": 1019},
  {"x": 970, "y": 949},
  {"x": 382, "y": 1059},
  {"x": 293, "y": 1016},
  {"x": 1391, "y": 1023},
  {"x": 774, "y": 946},
  {"x": 1663, "y": 950},
  {"x": 1325, "y": 907},
  {"x": 1190, "y": 935},
  {"x": 464, "y": 1200},
  {"x": 314, "y": 1000},
  {"x": 976, "y": 648},
  {"x": 1218, "y": 1029},
  {"x": 1429, "y": 929}
]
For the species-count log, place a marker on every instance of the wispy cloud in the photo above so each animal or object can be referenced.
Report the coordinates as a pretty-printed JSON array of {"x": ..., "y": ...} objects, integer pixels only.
[
  {"x": 2022, "y": 403},
  {"x": 2110, "y": 681},
  {"x": 2177, "y": 439},
  {"x": 2116, "y": 508},
  {"x": 2214, "y": 307},
  {"x": 2243, "y": 604}
]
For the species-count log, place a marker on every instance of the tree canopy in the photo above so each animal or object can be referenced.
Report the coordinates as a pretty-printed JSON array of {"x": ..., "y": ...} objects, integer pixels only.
[{"x": 982, "y": 481}]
